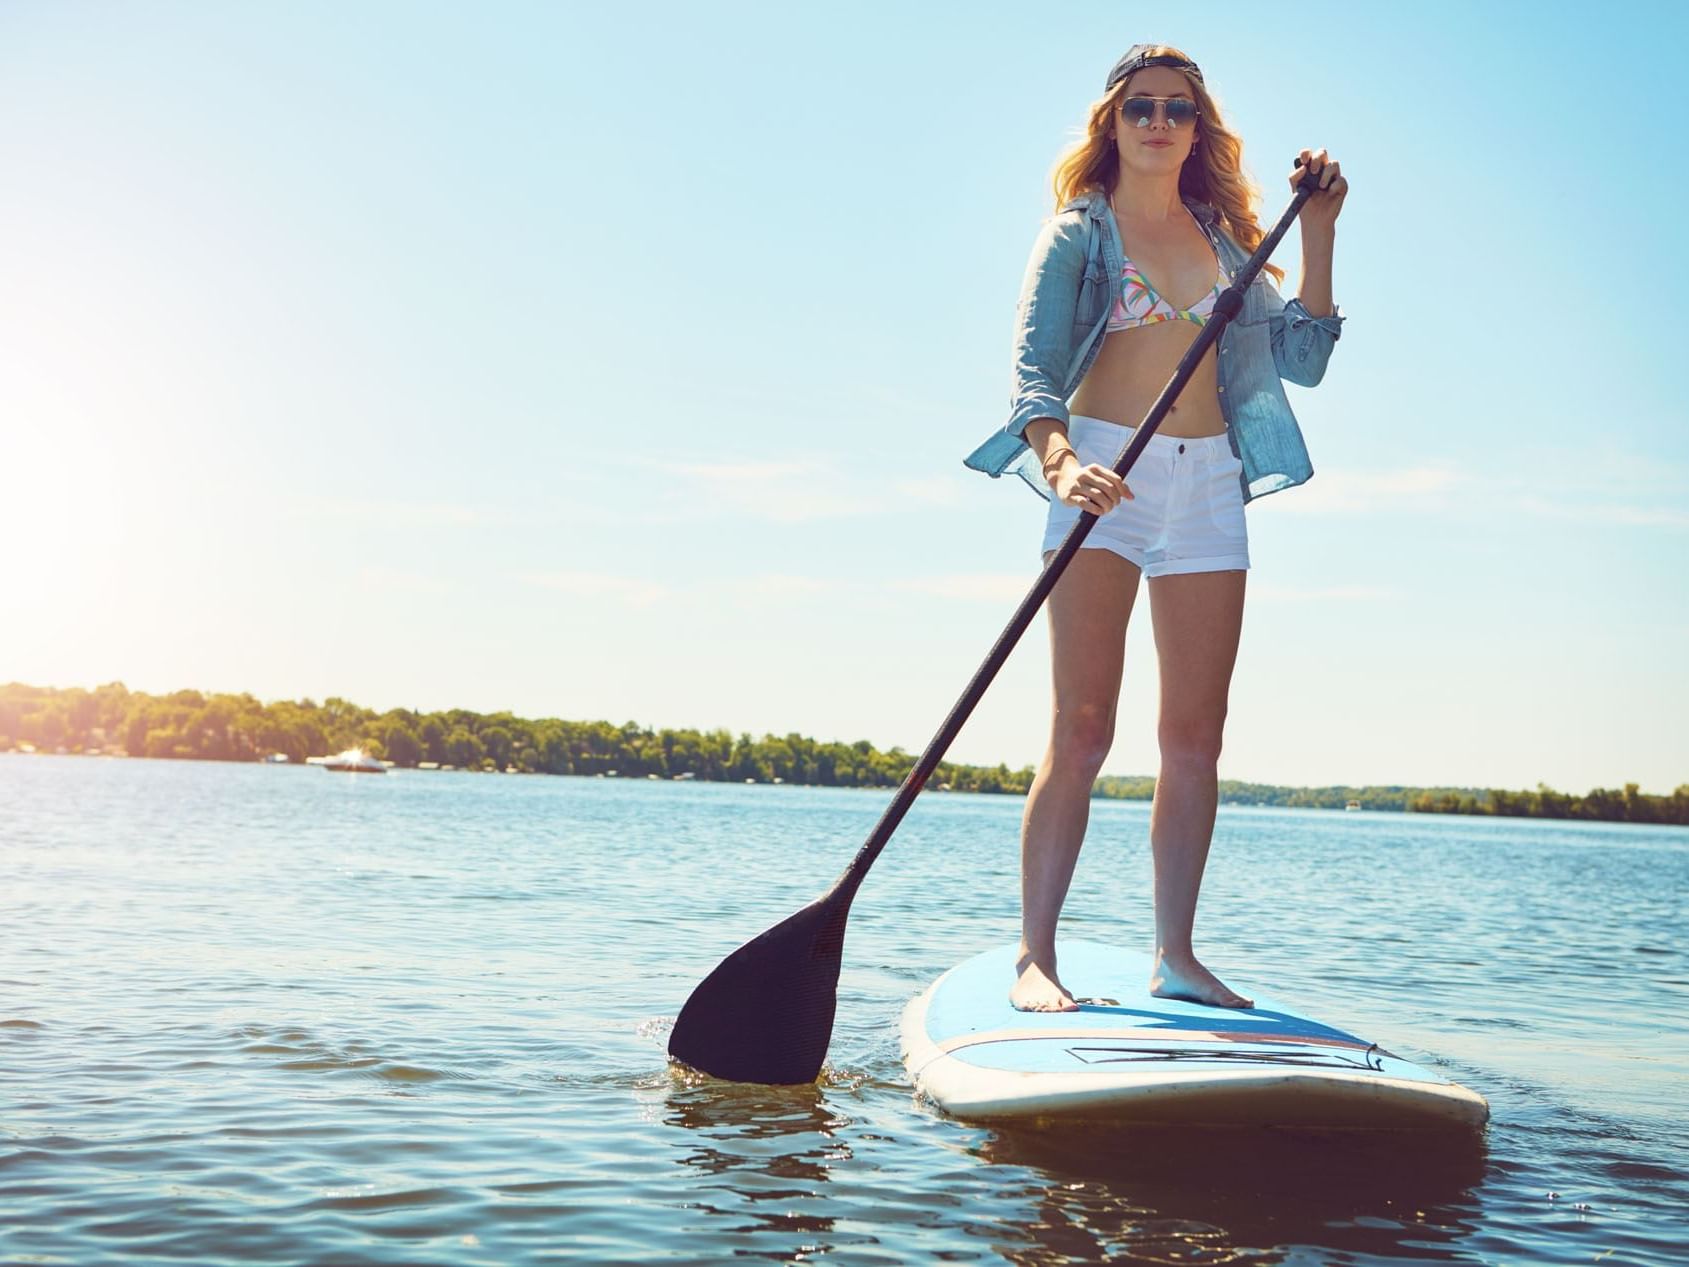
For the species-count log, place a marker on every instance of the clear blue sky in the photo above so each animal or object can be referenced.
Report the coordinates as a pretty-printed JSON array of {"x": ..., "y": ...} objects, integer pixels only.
[{"x": 619, "y": 362}]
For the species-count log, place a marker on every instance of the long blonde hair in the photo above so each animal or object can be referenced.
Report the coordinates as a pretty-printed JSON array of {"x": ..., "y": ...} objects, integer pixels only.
[{"x": 1213, "y": 173}]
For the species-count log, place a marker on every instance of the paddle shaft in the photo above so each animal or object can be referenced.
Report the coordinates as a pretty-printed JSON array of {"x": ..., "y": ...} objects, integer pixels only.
[{"x": 1226, "y": 307}]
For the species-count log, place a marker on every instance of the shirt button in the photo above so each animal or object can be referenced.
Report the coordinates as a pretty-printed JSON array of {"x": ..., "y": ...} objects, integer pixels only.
[{"x": 1222, "y": 389}]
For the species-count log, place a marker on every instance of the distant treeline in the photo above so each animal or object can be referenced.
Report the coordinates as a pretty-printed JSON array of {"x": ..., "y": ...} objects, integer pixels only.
[
  {"x": 190, "y": 724},
  {"x": 1631, "y": 805}
]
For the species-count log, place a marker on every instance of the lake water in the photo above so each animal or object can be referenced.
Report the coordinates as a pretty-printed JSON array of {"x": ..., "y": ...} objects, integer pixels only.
[{"x": 276, "y": 1015}]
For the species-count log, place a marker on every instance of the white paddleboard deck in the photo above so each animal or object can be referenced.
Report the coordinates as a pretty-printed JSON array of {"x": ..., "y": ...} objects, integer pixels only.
[{"x": 1128, "y": 1055}]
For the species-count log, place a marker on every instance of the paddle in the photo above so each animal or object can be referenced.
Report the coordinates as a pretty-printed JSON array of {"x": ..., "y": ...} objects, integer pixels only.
[{"x": 766, "y": 1013}]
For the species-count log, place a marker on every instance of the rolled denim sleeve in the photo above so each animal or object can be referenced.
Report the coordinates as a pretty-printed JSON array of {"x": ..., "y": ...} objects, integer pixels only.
[
  {"x": 1302, "y": 342},
  {"x": 1044, "y": 315}
]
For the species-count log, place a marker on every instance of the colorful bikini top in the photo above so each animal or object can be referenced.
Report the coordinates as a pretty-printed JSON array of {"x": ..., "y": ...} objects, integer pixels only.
[{"x": 1139, "y": 305}]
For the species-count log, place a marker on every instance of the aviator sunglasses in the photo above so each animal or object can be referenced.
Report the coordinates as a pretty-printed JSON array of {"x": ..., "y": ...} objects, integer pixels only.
[{"x": 1140, "y": 110}]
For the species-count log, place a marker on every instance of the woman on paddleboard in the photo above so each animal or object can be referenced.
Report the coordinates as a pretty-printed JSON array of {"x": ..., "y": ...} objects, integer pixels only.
[{"x": 1155, "y": 216}]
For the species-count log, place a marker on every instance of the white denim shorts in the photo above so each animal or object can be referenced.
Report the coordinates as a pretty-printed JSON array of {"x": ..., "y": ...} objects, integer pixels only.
[{"x": 1186, "y": 512}]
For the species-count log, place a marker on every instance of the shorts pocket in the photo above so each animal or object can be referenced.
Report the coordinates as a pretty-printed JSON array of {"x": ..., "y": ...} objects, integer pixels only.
[{"x": 1225, "y": 499}]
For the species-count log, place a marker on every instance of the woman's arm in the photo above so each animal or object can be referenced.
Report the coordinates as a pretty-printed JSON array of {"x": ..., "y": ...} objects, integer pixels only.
[
  {"x": 1095, "y": 487},
  {"x": 1043, "y": 341},
  {"x": 1305, "y": 329},
  {"x": 1043, "y": 356},
  {"x": 1315, "y": 290},
  {"x": 1048, "y": 439}
]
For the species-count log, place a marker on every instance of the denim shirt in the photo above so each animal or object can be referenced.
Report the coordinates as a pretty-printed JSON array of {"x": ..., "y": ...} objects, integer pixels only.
[{"x": 1072, "y": 283}]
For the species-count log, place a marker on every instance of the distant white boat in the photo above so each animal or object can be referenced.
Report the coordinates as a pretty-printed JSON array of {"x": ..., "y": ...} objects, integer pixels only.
[
  {"x": 352, "y": 761},
  {"x": 683, "y": 777},
  {"x": 274, "y": 758},
  {"x": 1353, "y": 805}
]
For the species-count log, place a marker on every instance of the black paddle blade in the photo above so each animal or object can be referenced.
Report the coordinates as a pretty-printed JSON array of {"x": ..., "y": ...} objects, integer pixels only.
[{"x": 766, "y": 1013}]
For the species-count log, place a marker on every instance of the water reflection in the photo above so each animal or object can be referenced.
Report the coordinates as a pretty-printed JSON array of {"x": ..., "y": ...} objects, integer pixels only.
[
  {"x": 1159, "y": 1195},
  {"x": 764, "y": 1156}
]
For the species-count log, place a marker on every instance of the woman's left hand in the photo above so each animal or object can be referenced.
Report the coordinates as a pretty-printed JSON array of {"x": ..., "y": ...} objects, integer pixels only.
[{"x": 1320, "y": 211}]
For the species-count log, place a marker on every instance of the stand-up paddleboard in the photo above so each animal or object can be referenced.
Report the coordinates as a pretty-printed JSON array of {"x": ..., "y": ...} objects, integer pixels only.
[{"x": 1131, "y": 1056}]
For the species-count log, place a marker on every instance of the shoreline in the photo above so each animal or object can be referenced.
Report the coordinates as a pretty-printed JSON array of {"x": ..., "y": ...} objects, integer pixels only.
[{"x": 1234, "y": 794}]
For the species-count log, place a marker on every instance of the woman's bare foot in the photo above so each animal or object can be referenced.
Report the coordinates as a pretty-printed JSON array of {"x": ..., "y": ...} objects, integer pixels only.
[
  {"x": 1038, "y": 990},
  {"x": 1183, "y": 977}
]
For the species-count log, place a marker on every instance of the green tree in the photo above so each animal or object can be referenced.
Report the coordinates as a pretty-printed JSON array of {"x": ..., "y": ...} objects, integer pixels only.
[
  {"x": 433, "y": 737},
  {"x": 403, "y": 747},
  {"x": 464, "y": 749}
]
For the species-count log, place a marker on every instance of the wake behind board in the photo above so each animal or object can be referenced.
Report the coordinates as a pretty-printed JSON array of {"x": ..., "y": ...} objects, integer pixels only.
[{"x": 1127, "y": 1055}]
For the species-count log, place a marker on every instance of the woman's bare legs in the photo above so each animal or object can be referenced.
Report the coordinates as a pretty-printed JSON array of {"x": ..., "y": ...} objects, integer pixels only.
[
  {"x": 1088, "y": 611},
  {"x": 1198, "y": 618}
]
